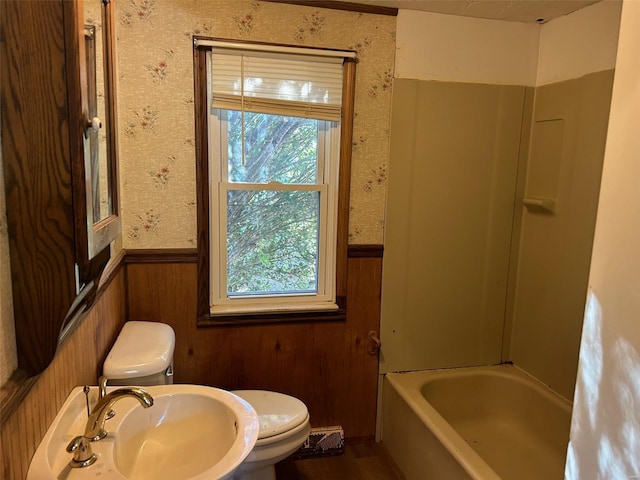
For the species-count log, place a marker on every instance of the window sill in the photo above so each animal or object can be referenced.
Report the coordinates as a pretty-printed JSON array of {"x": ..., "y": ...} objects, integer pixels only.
[
  {"x": 297, "y": 304},
  {"x": 267, "y": 318}
]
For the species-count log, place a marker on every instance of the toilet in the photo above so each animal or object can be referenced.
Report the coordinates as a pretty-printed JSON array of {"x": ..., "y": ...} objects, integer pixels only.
[
  {"x": 142, "y": 355},
  {"x": 284, "y": 427}
]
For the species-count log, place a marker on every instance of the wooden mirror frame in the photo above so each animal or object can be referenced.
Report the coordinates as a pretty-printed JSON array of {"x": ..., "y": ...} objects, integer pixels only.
[{"x": 92, "y": 238}]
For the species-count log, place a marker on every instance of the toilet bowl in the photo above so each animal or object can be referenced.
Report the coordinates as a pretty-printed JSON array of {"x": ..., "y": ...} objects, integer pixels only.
[
  {"x": 143, "y": 355},
  {"x": 284, "y": 427}
]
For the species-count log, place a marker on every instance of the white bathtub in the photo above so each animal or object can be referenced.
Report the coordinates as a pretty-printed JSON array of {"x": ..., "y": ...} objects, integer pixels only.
[{"x": 485, "y": 423}]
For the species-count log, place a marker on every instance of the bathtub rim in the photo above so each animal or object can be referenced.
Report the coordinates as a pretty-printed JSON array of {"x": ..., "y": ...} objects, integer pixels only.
[{"x": 408, "y": 386}]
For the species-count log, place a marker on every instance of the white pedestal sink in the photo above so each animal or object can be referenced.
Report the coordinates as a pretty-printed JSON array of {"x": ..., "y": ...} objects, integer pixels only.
[{"x": 191, "y": 432}]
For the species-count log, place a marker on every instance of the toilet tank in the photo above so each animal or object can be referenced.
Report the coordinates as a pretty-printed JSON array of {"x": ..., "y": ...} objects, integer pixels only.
[{"x": 141, "y": 355}]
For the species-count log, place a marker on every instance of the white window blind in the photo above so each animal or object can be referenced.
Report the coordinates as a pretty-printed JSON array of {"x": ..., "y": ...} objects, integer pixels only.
[{"x": 274, "y": 83}]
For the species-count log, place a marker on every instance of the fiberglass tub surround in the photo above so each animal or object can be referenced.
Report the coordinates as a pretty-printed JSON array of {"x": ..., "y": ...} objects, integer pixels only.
[{"x": 481, "y": 423}]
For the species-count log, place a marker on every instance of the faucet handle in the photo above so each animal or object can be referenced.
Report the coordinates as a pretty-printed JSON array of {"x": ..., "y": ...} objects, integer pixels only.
[
  {"x": 86, "y": 391},
  {"x": 82, "y": 455}
]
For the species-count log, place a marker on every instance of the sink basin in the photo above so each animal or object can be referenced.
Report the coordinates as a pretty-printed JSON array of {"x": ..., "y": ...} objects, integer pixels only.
[{"x": 190, "y": 432}]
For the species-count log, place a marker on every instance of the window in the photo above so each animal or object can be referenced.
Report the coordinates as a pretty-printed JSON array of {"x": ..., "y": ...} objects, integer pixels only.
[{"x": 276, "y": 186}]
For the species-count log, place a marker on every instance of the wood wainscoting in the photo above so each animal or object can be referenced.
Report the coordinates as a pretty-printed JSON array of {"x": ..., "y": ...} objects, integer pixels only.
[
  {"x": 78, "y": 362},
  {"x": 326, "y": 364}
]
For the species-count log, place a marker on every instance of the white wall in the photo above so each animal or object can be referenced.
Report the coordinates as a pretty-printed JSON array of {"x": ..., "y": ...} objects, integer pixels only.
[
  {"x": 580, "y": 43},
  {"x": 433, "y": 46},
  {"x": 605, "y": 433}
]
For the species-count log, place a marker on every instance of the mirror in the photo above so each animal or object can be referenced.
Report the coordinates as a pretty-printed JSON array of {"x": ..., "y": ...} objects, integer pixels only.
[
  {"x": 96, "y": 133},
  {"x": 59, "y": 176},
  {"x": 100, "y": 223}
]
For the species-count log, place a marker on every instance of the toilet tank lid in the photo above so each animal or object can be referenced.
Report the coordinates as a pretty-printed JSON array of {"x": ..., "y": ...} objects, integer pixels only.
[
  {"x": 141, "y": 349},
  {"x": 277, "y": 412}
]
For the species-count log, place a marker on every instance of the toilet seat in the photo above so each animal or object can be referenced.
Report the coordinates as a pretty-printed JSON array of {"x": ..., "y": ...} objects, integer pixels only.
[
  {"x": 284, "y": 437},
  {"x": 280, "y": 415}
]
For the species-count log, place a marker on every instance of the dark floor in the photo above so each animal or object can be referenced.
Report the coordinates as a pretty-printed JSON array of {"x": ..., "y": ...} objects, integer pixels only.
[{"x": 362, "y": 460}]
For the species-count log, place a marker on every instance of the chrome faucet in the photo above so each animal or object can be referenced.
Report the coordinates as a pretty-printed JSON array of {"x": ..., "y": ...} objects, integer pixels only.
[
  {"x": 95, "y": 423},
  {"x": 102, "y": 391},
  {"x": 102, "y": 386},
  {"x": 94, "y": 430}
]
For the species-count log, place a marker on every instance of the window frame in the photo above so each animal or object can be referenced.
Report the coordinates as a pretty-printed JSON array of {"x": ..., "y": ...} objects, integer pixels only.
[{"x": 203, "y": 194}]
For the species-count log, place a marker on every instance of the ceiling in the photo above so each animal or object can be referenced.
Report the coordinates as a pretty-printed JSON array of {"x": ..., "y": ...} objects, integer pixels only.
[{"x": 511, "y": 10}]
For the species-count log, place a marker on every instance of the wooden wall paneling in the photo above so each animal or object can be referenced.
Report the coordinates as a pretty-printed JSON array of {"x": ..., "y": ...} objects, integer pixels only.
[
  {"x": 325, "y": 364},
  {"x": 23, "y": 452},
  {"x": 77, "y": 362},
  {"x": 364, "y": 291},
  {"x": 35, "y": 144}
]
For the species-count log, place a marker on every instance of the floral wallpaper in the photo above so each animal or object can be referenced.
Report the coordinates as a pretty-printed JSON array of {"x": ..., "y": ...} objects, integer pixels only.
[{"x": 156, "y": 117}]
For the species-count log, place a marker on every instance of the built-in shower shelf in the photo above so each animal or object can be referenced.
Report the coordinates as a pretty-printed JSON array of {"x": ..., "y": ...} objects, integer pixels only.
[{"x": 540, "y": 204}]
